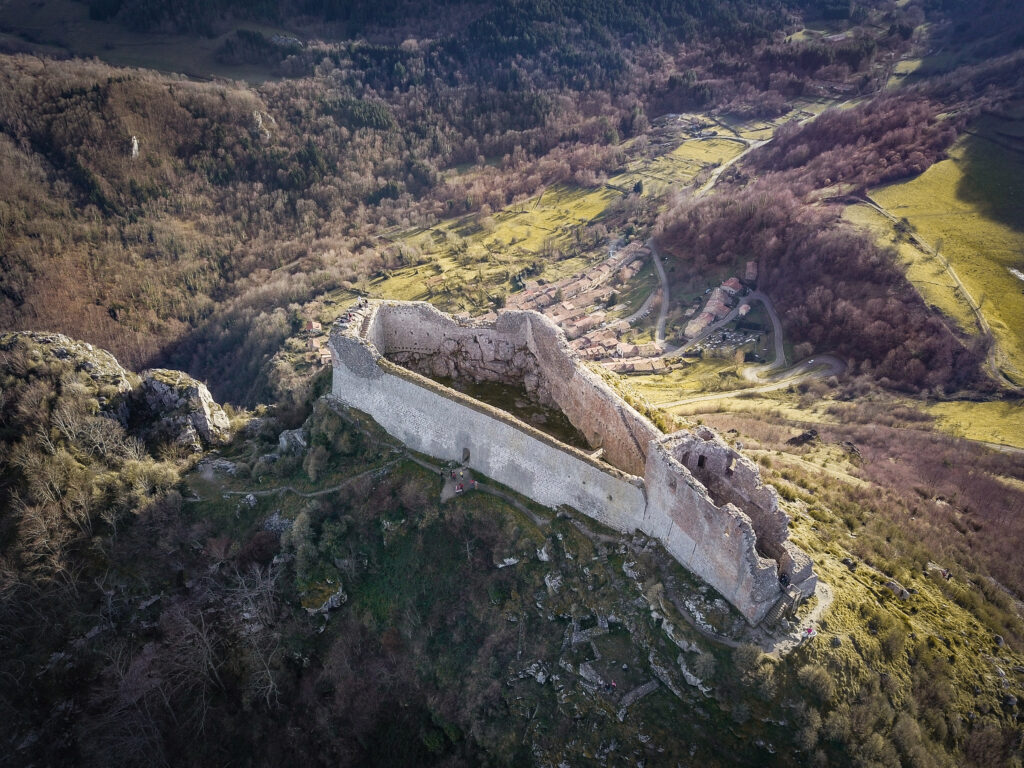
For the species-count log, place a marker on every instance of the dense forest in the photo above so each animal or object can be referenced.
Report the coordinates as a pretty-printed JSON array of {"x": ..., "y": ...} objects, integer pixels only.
[{"x": 836, "y": 289}]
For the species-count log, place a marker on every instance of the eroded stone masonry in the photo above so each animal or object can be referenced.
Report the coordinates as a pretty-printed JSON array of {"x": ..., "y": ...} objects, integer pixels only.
[{"x": 704, "y": 501}]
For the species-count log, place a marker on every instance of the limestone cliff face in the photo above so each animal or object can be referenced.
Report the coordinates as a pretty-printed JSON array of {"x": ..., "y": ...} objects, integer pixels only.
[
  {"x": 180, "y": 409},
  {"x": 160, "y": 405}
]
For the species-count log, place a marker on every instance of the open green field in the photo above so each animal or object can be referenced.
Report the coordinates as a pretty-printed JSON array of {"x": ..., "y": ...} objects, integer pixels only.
[
  {"x": 53, "y": 26},
  {"x": 998, "y": 422},
  {"x": 763, "y": 129},
  {"x": 680, "y": 166},
  {"x": 926, "y": 272},
  {"x": 816, "y": 30},
  {"x": 466, "y": 264},
  {"x": 970, "y": 208},
  {"x": 552, "y": 215},
  {"x": 715, "y": 151},
  {"x": 690, "y": 379}
]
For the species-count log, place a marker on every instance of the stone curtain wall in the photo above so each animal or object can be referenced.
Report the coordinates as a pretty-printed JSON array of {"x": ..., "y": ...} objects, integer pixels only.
[
  {"x": 520, "y": 348},
  {"x": 716, "y": 543},
  {"x": 603, "y": 417},
  {"x": 704, "y": 501},
  {"x": 732, "y": 478},
  {"x": 448, "y": 425}
]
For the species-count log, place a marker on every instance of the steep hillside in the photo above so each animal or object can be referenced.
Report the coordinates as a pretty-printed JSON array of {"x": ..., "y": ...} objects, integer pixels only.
[{"x": 309, "y": 595}]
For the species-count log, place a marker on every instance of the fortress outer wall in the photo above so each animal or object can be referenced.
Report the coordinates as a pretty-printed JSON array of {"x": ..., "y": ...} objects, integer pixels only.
[
  {"x": 443, "y": 423},
  {"x": 704, "y": 501}
]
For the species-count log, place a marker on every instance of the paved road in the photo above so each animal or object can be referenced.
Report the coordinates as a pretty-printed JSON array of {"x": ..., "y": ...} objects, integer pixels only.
[
  {"x": 644, "y": 310},
  {"x": 756, "y": 373},
  {"x": 659, "y": 332},
  {"x": 780, "y": 348},
  {"x": 780, "y": 352}
]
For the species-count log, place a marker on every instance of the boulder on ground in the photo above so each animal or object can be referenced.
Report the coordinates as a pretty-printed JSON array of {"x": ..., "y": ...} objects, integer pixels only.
[
  {"x": 809, "y": 436},
  {"x": 291, "y": 441}
]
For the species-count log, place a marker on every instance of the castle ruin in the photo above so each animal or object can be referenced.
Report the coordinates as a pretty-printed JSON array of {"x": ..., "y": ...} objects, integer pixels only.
[{"x": 701, "y": 499}]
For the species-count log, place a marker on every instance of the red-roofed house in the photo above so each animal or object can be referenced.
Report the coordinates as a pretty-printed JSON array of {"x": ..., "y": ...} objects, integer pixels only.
[{"x": 732, "y": 286}]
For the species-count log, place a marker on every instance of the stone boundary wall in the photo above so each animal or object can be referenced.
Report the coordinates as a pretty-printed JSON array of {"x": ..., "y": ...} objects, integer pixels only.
[{"x": 728, "y": 529}]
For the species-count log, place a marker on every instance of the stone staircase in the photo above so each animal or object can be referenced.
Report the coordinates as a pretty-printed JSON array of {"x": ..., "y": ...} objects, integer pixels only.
[{"x": 781, "y": 609}]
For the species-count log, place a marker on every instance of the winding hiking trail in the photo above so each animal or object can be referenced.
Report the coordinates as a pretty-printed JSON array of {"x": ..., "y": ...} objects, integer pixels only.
[{"x": 311, "y": 494}]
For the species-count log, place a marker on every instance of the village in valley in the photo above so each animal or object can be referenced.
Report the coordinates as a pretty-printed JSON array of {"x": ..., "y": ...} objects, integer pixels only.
[
  {"x": 584, "y": 305},
  {"x": 622, "y": 334}
]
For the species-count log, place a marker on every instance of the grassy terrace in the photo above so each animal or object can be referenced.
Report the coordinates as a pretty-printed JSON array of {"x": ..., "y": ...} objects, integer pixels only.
[
  {"x": 1000, "y": 423},
  {"x": 926, "y": 272},
  {"x": 690, "y": 378},
  {"x": 678, "y": 167}
]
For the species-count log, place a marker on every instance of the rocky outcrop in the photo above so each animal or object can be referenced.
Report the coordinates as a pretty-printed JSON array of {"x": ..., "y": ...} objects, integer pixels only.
[
  {"x": 171, "y": 406},
  {"x": 107, "y": 377},
  {"x": 159, "y": 406}
]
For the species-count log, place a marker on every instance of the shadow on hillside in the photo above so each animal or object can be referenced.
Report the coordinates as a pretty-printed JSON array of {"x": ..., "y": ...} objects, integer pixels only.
[{"x": 993, "y": 176}]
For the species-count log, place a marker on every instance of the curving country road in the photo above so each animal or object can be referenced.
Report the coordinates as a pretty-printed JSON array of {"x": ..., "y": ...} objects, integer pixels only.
[
  {"x": 818, "y": 367},
  {"x": 659, "y": 331},
  {"x": 779, "y": 361},
  {"x": 644, "y": 310},
  {"x": 752, "y": 144}
]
